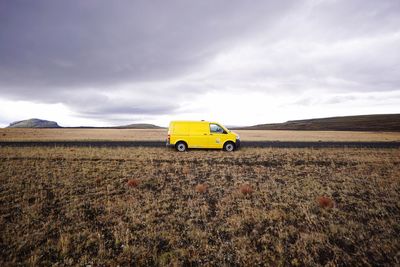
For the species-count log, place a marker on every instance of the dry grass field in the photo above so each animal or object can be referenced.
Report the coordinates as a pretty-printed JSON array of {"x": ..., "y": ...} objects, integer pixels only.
[
  {"x": 154, "y": 206},
  {"x": 13, "y": 134}
]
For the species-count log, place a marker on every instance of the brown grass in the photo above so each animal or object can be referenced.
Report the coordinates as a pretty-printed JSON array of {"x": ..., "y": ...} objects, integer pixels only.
[
  {"x": 63, "y": 207},
  {"x": 15, "y": 134},
  {"x": 279, "y": 135},
  {"x": 161, "y": 134}
]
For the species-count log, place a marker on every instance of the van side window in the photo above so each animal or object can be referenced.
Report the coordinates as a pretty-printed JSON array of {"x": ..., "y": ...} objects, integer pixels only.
[{"x": 214, "y": 128}]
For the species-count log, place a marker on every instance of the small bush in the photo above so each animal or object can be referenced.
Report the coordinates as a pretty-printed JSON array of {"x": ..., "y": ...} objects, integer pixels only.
[
  {"x": 246, "y": 189},
  {"x": 325, "y": 202},
  {"x": 201, "y": 188},
  {"x": 133, "y": 182}
]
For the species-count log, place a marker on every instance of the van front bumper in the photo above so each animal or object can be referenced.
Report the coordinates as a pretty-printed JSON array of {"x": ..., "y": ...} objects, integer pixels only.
[{"x": 237, "y": 144}]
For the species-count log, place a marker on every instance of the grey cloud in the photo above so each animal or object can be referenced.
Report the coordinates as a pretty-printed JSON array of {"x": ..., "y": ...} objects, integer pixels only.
[
  {"x": 379, "y": 98},
  {"x": 339, "y": 20},
  {"x": 81, "y": 53},
  {"x": 332, "y": 45},
  {"x": 339, "y": 99},
  {"x": 96, "y": 43},
  {"x": 117, "y": 108},
  {"x": 358, "y": 64},
  {"x": 73, "y": 52},
  {"x": 90, "y": 103}
]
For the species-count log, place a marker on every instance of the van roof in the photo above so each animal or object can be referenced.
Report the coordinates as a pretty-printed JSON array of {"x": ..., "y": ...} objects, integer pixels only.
[
  {"x": 193, "y": 121},
  {"x": 190, "y": 121}
]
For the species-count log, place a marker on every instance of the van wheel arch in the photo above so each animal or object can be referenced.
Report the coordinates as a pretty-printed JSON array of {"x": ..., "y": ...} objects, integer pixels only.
[
  {"x": 178, "y": 146},
  {"x": 229, "y": 146}
]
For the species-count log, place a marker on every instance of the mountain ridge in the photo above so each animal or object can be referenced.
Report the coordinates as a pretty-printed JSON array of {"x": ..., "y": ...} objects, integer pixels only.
[{"x": 373, "y": 122}]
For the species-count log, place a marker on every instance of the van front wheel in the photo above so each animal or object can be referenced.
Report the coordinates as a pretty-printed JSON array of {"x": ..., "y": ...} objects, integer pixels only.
[
  {"x": 181, "y": 146},
  {"x": 229, "y": 146}
]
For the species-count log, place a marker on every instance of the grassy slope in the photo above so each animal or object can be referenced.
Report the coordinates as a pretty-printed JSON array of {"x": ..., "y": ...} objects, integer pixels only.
[{"x": 385, "y": 122}]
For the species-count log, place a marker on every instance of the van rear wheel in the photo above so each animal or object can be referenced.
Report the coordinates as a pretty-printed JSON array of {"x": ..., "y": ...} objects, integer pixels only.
[
  {"x": 229, "y": 146},
  {"x": 181, "y": 146}
]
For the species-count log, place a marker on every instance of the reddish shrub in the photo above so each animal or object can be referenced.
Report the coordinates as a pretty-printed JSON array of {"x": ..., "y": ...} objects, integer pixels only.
[
  {"x": 246, "y": 189},
  {"x": 325, "y": 202},
  {"x": 133, "y": 182},
  {"x": 201, "y": 188}
]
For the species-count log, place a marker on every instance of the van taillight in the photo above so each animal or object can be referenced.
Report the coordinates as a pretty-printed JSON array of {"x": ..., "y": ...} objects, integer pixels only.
[{"x": 168, "y": 138}]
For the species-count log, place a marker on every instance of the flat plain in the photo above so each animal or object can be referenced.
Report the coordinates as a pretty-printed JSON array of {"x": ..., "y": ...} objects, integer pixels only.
[
  {"x": 68, "y": 134},
  {"x": 154, "y": 206}
]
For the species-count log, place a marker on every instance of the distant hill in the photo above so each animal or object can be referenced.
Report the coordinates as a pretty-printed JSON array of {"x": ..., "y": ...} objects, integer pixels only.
[
  {"x": 384, "y": 122},
  {"x": 38, "y": 123},
  {"x": 129, "y": 126},
  {"x": 34, "y": 123},
  {"x": 139, "y": 126}
]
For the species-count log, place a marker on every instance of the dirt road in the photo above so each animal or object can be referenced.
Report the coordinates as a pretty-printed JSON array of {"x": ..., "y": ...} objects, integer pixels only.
[{"x": 281, "y": 144}]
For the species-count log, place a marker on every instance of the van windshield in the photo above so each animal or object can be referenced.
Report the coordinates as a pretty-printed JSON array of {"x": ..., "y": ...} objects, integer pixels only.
[{"x": 215, "y": 128}]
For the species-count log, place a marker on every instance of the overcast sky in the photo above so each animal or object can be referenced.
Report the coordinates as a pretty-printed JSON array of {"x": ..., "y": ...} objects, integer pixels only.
[{"x": 238, "y": 62}]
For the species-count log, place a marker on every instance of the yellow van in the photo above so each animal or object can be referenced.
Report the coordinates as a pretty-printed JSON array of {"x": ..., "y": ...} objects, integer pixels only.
[{"x": 201, "y": 134}]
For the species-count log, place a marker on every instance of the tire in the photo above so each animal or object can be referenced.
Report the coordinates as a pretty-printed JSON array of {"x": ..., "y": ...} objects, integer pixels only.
[
  {"x": 181, "y": 146},
  {"x": 229, "y": 146}
]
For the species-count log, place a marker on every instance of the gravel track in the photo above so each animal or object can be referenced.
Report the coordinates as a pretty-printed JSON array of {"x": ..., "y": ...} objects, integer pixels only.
[{"x": 278, "y": 144}]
